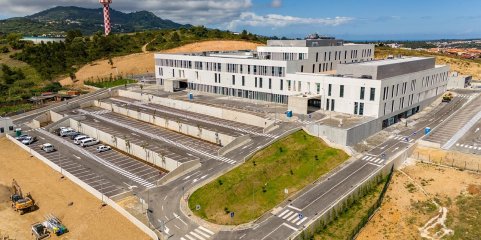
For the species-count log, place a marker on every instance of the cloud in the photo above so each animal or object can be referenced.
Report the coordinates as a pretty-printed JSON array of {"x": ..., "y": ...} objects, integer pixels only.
[
  {"x": 197, "y": 12},
  {"x": 276, "y": 3},
  {"x": 278, "y": 21}
]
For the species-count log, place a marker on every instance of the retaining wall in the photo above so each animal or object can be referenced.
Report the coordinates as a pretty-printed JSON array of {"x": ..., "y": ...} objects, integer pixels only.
[
  {"x": 89, "y": 189},
  {"x": 190, "y": 130},
  {"x": 234, "y": 144},
  {"x": 124, "y": 145},
  {"x": 227, "y": 114}
]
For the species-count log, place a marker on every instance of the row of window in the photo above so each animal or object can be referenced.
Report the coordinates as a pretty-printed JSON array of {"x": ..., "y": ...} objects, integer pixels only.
[
  {"x": 338, "y": 55},
  {"x": 426, "y": 82}
]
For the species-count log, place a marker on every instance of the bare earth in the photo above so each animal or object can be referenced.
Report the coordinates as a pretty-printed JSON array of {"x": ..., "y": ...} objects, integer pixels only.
[
  {"x": 399, "y": 218},
  {"x": 144, "y": 62},
  {"x": 85, "y": 219}
]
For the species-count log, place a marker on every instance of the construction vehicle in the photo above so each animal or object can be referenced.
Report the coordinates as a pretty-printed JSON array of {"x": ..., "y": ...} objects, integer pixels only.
[
  {"x": 20, "y": 203},
  {"x": 447, "y": 97},
  {"x": 39, "y": 231}
]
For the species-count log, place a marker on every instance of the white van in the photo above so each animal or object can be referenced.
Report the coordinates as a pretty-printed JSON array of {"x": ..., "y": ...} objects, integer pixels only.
[
  {"x": 47, "y": 147},
  {"x": 67, "y": 132},
  {"x": 89, "y": 142},
  {"x": 79, "y": 138}
]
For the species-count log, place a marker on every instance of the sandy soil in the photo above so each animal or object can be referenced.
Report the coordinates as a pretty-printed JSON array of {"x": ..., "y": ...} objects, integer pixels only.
[
  {"x": 86, "y": 219},
  {"x": 144, "y": 62},
  {"x": 398, "y": 218}
]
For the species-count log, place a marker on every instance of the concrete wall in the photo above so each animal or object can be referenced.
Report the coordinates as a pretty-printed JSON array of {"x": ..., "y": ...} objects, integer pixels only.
[
  {"x": 313, "y": 130},
  {"x": 126, "y": 146},
  {"x": 298, "y": 104},
  {"x": 89, "y": 189},
  {"x": 193, "y": 131},
  {"x": 234, "y": 144},
  {"x": 200, "y": 108}
]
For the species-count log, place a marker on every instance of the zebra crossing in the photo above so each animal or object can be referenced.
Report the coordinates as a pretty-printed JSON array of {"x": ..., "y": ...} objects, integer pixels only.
[
  {"x": 292, "y": 217},
  {"x": 468, "y": 146},
  {"x": 403, "y": 138},
  {"x": 373, "y": 159},
  {"x": 200, "y": 233}
]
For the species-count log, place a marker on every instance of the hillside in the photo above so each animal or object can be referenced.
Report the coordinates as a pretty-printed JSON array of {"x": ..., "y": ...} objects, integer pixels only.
[
  {"x": 144, "y": 62},
  {"x": 463, "y": 66},
  {"x": 59, "y": 20}
]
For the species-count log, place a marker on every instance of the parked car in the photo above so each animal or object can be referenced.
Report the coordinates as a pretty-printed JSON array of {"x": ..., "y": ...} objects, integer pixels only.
[
  {"x": 21, "y": 137},
  {"x": 79, "y": 138},
  {"x": 29, "y": 140},
  {"x": 89, "y": 142},
  {"x": 103, "y": 148},
  {"x": 73, "y": 136},
  {"x": 47, "y": 147}
]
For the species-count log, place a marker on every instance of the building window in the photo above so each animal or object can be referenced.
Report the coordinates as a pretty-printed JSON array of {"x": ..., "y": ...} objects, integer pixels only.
[
  {"x": 10, "y": 128},
  {"x": 341, "y": 91},
  {"x": 260, "y": 82},
  {"x": 372, "y": 96},
  {"x": 233, "y": 79},
  {"x": 361, "y": 109},
  {"x": 302, "y": 68},
  {"x": 333, "y": 102},
  {"x": 318, "y": 88},
  {"x": 313, "y": 68},
  {"x": 289, "y": 85},
  {"x": 329, "y": 90},
  {"x": 215, "y": 75},
  {"x": 243, "y": 80},
  {"x": 282, "y": 85},
  {"x": 317, "y": 57},
  {"x": 270, "y": 83},
  {"x": 327, "y": 104},
  {"x": 2, "y": 130},
  {"x": 255, "y": 82},
  {"x": 356, "y": 106},
  {"x": 362, "y": 93}
]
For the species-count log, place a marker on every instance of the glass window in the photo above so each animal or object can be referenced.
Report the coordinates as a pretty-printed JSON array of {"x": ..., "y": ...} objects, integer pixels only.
[
  {"x": 361, "y": 109},
  {"x": 341, "y": 91},
  {"x": 329, "y": 90},
  {"x": 362, "y": 93},
  {"x": 373, "y": 94},
  {"x": 243, "y": 80},
  {"x": 356, "y": 106}
]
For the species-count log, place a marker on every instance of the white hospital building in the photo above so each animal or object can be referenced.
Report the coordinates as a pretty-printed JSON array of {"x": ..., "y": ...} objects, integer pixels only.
[{"x": 313, "y": 74}]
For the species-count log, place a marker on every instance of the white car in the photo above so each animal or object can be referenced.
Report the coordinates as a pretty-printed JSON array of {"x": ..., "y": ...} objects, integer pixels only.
[
  {"x": 89, "y": 142},
  {"x": 47, "y": 147},
  {"x": 67, "y": 132},
  {"x": 103, "y": 148},
  {"x": 29, "y": 140},
  {"x": 79, "y": 138}
]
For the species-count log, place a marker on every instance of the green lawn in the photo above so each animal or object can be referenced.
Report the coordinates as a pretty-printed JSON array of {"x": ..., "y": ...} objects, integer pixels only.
[
  {"x": 257, "y": 186},
  {"x": 110, "y": 83}
]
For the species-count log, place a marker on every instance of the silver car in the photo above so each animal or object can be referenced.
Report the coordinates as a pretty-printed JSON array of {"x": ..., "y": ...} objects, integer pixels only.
[{"x": 103, "y": 148}]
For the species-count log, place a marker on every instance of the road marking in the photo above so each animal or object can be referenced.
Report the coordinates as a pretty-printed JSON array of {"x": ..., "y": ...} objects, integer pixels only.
[
  {"x": 178, "y": 217},
  {"x": 290, "y": 206},
  {"x": 201, "y": 233},
  {"x": 207, "y": 230},
  {"x": 289, "y": 226},
  {"x": 196, "y": 235},
  {"x": 282, "y": 214},
  {"x": 77, "y": 157}
]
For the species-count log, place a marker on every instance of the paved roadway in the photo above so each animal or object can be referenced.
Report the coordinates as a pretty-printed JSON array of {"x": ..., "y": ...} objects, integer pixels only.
[{"x": 311, "y": 202}]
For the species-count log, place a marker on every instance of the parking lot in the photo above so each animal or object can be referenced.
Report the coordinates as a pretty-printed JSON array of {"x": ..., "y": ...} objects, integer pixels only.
[
  {"x": 217, "y": 124},
  {"x": 471, "y": 141},
  {"x": 149, "y": 135},
  {"x": 447, "y": 129},
  {"x": 111, "y": 173}
]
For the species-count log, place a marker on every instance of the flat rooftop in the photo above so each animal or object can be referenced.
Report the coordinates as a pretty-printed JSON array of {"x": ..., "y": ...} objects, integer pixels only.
[{"x": 387, "y": 68}]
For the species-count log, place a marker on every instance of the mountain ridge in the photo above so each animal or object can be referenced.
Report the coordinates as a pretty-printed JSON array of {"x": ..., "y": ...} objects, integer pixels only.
[{"x": 58, "y": 20}]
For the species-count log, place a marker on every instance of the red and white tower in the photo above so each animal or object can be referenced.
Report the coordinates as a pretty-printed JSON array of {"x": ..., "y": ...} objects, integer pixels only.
[{"x": 107, "y": 26}]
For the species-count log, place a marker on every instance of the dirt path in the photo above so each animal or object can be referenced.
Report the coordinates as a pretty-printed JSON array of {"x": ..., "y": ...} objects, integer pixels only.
[
  {"x": 408, "y": 211},
  {"x": 85, "y": 218},
  {"x": 140, "y": 63}
]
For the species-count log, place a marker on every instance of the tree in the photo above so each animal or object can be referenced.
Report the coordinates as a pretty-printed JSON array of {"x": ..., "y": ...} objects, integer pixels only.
[
  {"x": 72, "y": 34},
  {"x": 244, "y": 35},
  {"x": 4, "y": 49},
  {"x": 10, "y": 75},
  {"x": 53, "y": 87},
  {"x": 175, "y": 37}
]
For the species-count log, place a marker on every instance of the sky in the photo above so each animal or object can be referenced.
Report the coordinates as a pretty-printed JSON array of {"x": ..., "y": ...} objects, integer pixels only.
[{"x": 348, "y": 19}]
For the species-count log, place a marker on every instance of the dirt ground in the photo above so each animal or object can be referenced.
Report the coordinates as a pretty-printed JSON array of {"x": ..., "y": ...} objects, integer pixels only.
[
  {"x": 85, "y": 218},
  {"x": 144, "y": 62},
  {"x": 407, "y": 207}
]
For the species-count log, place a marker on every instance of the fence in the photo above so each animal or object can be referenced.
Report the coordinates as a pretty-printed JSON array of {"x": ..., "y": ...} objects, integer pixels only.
[
  {"x": 449, "y": 159},
  {"x": 334, "y": 213}
]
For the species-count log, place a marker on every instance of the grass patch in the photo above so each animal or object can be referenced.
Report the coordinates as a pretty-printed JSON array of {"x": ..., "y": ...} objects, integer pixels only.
[
  {"x": 15, "y": 108},
  {"x": 466, "y": 219},
  {"x": 347, "y": 221},
  {"x": 110, "y": 83},
  {"x": 257, "y": 186}
]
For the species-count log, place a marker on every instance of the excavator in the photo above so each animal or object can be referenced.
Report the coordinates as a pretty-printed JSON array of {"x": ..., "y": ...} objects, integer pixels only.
[{"x": 20, "y": 203}]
